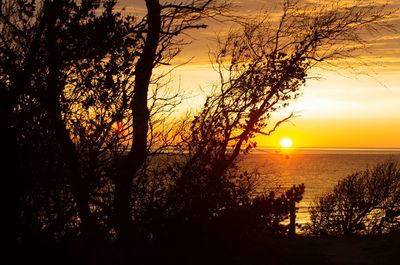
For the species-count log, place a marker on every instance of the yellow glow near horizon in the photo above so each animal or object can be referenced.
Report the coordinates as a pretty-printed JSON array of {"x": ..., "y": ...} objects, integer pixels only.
[
  {"x": 336, "y": 111},
  {"x": 286, "y": 142},
  {"x": 341, "y": 109}
]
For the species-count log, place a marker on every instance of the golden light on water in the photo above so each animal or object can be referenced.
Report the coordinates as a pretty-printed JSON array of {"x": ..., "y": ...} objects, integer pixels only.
[{"x": 286, "y": 142}]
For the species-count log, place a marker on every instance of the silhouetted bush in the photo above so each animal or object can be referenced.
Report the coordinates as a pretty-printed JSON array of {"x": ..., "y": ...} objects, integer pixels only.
[
  {"x": 264, "y": 213},
  {"x": 365, "y": 202}
]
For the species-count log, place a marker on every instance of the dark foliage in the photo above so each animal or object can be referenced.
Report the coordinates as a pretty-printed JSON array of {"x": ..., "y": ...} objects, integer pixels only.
[
  {"x": 366, "y": 202},
  {"x": 90, "y": 155},
  {"x": 262, "y": 214}
]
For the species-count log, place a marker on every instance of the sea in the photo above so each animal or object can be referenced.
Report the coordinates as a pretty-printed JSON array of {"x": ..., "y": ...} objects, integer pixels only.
[{"x": 319, "y": 169}]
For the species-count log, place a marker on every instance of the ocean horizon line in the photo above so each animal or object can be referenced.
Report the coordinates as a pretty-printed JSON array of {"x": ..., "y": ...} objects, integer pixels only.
[{"x": 394, "y": 149}]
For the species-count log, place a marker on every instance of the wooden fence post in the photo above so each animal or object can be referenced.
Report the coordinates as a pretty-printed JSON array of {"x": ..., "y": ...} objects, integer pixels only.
[{"x": 292, "y": 224}]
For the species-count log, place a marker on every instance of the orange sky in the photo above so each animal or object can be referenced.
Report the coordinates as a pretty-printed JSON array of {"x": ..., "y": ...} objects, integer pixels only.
[{"x": 340, "y": 110}]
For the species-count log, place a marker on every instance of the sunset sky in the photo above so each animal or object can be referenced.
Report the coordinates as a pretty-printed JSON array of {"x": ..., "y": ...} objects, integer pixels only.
[{"x": 341, "y": 109}]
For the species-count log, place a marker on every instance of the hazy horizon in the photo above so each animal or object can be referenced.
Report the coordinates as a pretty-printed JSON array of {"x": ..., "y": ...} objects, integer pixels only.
[{"x": 331, "y": 147}]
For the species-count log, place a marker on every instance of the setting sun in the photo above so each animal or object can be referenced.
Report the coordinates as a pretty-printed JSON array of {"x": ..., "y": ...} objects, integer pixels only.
[{"x": 286, "y": 142}]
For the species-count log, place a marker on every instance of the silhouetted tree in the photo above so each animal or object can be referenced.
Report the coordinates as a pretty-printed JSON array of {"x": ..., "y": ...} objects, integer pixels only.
[
  {"x": 67, "y": 78},
  {"x": 40, "y": 42},
  {"x": 163, "y": 23},
  {"x": 79, "y": 111},
  {"x": 264, "y": 64},
  {"x": 262, "y": 67},
  {"x": 365, "y": 202}
]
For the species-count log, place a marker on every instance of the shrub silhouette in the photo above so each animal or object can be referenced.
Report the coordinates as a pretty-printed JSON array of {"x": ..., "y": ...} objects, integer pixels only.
[
  {"x": 264, "y": 213},
  {"x": 365, "y": 202}
]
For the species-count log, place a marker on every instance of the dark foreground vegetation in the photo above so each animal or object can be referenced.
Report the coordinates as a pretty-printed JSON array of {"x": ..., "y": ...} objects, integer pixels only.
[
  {"x": 95, "y": 170},
  {"x": 366, "y": 202},
  {"x": 256, "y": 248},
  {"x": 358, "y": 222}
]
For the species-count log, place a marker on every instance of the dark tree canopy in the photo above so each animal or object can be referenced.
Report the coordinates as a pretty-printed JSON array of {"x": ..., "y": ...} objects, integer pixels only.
[
  {"x": 90, "y": 153},
  {"x": 365, "y": 202}
]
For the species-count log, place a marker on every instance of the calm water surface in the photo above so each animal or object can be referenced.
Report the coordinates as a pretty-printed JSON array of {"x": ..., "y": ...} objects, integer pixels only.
[{"x": 318, "y": 169}]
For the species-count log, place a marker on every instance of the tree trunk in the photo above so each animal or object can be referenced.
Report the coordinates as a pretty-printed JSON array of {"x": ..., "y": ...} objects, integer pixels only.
[
  {"x": 51, "y": 99},
  {"x": 140, "y": 113},
  {"x": 79, "y": 186}
]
